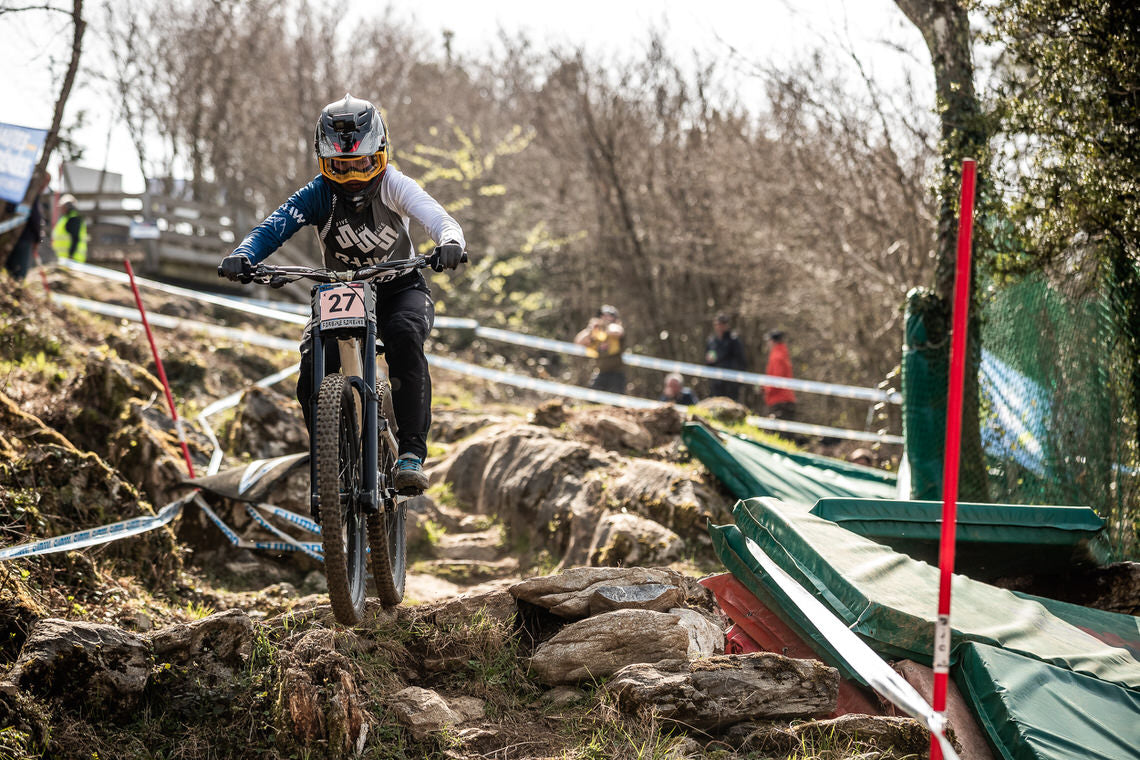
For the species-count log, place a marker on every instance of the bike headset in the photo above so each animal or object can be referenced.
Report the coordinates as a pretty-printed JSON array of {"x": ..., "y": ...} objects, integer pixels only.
[{"x": 351, "y": 143}]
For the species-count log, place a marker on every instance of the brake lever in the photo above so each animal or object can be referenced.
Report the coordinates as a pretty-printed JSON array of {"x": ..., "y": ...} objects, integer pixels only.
[{"x": 278, "y": 281}]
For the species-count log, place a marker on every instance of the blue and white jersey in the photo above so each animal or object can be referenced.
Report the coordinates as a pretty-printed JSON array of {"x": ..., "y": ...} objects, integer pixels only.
[{"x": 353, "y": 239}]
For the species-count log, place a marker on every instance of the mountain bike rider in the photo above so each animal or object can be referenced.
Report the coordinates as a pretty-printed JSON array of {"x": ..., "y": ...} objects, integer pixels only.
[{"x": 360, "y": 208}]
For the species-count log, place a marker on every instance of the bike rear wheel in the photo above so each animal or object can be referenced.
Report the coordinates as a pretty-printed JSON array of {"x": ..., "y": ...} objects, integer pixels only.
[
  {"x": 387, "y": 532},
  {"x": 338, "y": 453}
]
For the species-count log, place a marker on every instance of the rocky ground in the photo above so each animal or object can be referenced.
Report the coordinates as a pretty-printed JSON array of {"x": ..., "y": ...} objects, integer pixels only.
[{"x": 551, "y": 610}]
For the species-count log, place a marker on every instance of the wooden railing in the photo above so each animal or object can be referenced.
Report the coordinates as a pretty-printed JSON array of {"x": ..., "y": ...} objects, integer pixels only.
[{"x": 192, "y": 236}]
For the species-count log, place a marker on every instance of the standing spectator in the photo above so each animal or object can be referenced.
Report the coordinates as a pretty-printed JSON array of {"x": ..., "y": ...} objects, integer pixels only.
[
  {"x": 69, "y": 236},
  {"x": 603, "y": 338},
  {"x": 724, "y": 350},
  {"x": 675, "y": 391},
  {"x": 781, "y": 401},
  {"x": 20, "y": 259}
]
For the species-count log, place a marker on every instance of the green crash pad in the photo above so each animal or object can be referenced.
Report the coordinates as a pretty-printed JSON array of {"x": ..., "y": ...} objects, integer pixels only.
[
  {"x": 993, "y": 540},
  {"x": 750, "y": 469},
  {"x": 1034, "y": 711},
  {"x": 890, "y": 599},
  {"x": 1112, "y": 628}
]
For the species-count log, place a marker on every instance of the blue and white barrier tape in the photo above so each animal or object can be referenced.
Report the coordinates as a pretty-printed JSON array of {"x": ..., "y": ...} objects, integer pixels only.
[
  {"x": 241, "y": 543},
  {"x": 100, "y": 535},
  {"x": 299, "y": 520},
  {"x": 296, "y": 313},
  {"x": 298, "y": 545}
]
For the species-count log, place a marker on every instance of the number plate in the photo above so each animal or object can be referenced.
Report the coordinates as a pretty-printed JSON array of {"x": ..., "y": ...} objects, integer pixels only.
[{"x": 342, "y": 305}]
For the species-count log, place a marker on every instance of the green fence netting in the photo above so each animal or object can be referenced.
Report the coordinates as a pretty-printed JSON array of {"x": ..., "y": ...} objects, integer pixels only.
[{"x": 1056, "y": 422}]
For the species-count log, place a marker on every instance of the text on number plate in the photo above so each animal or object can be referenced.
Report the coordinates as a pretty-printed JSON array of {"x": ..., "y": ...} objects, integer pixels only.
[{"x": 342, "y": 305}]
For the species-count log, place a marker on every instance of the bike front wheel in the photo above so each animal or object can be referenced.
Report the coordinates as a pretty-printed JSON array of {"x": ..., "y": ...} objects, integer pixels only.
[
  {"x": 339, "y": 482},
  {"x": 387, "y": 531}
]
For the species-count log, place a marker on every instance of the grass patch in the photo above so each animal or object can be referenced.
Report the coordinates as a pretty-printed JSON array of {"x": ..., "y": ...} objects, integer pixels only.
[{"x": 442, "y": 494}]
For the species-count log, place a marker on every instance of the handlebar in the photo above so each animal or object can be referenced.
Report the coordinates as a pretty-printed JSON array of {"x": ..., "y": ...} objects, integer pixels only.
[{"x": 276, "y": 277}]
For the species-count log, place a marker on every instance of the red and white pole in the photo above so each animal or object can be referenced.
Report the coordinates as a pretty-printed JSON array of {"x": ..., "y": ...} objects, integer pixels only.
[
  {"x": 161, "y": 371},
  {"x": 960, "y": 318}
]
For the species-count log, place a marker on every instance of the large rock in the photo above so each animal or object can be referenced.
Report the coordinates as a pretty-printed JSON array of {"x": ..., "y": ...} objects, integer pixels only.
[
  {"x": 601, "y": 645},
  {"x": 424, "y": 711},
  {"x": 626, "y": 539},
  {"x": 668, "y": 495},
  {"x": 268, "y": 424},
  {"x": 567, "y": 594},
  {"x": 646, "y": 596},
  {"x": 719, "y": 691},
  {"x": 88, "y": 666},
  {"x": 212, "y": 649},
  {"x": 494, "y": 606},
  {"x": 860, "y": 733}
]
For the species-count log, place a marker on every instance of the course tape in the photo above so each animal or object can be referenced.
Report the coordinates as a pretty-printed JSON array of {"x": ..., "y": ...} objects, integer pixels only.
[
  {"x": 856, "y": 653},
  {"x": 499, "y": 376},
  {"x": 299, "y": 520},
  {"x": 12, "y": 223},
  {"x": 273, "y": 312},
  {"x": 806, "y": 428},
  {"x": 297, "y": 314},
  {"x": 248, "y": 337},
  {"x": 543, "y": 386},
  {"x": 101, "y": 535},
  {"x": 241, "y": 543},
  {"x": 298, "y": 545}
]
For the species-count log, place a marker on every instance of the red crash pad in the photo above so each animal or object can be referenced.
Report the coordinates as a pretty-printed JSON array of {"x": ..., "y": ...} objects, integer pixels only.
[{"x": 770, "y": 634}]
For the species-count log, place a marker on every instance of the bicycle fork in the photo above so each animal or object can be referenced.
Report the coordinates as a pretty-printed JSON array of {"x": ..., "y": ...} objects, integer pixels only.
[{"x": 362, "y": 377}]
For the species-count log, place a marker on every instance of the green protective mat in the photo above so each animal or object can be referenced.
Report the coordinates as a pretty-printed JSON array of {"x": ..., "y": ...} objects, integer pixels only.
[
  {"x": 993, "y": 540},
  {"x": 1112, "y": 628},
  {"x": 750, "y": 469},
  {"x": 890, "y": 599},
  {"x": 1034, "y": 711}
]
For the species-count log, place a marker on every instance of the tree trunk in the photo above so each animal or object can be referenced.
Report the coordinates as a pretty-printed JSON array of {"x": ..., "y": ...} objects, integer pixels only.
[
  {"x": 52, "y": 139},
  {"x": 945, "y": 26}
]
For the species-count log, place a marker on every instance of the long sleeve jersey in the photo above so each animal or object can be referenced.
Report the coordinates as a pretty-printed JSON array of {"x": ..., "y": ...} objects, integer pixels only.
[{"x": 353, "y": 239}]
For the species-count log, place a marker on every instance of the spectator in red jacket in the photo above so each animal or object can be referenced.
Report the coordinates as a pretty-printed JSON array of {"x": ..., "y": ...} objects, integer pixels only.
[{"x": 781, "y": 401}]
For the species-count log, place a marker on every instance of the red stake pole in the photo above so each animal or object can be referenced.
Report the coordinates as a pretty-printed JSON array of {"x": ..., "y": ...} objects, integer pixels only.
[
  {"x": 161, "y": 371},
  {"x": 953, "y": 445}
]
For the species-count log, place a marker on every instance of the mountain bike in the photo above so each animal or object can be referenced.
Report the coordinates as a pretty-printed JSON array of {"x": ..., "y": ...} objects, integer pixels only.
[{"x": 352, "y": 434}]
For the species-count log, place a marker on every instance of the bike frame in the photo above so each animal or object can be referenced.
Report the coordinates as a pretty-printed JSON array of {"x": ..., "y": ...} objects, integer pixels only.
[{"x": 364, "y": 385}]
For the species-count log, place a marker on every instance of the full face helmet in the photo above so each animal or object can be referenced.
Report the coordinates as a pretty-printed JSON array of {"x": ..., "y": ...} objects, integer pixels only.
[{"x": 351, "y": 143}]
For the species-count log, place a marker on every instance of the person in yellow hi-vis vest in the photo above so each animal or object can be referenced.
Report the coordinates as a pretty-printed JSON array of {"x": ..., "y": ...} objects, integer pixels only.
[{"x": 69, "y": 236}]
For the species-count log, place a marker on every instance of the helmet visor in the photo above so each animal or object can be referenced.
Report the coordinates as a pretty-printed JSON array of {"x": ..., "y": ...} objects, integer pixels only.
[{"x": 354, "y": 168}]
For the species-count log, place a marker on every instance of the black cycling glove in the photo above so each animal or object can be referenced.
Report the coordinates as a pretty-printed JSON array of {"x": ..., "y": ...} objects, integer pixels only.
[
  {"x": 236, "y": 267},
  {"x": 447, "y": 256}
]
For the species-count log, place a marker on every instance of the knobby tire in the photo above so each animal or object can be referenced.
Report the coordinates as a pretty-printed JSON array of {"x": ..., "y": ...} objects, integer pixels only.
[
  {"x": 387, "y": 533},
  {"x": 339, "y": 473}
]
